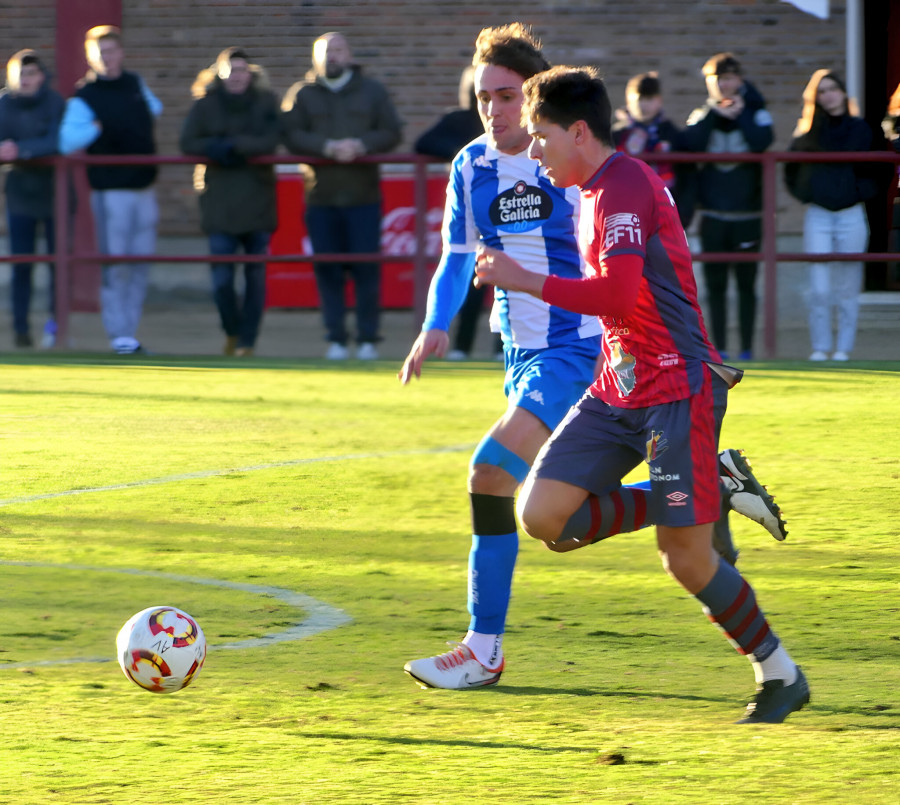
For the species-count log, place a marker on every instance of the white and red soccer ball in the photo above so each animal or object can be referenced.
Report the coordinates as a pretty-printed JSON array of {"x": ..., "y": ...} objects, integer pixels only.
[{"x": 161, "y": 649}]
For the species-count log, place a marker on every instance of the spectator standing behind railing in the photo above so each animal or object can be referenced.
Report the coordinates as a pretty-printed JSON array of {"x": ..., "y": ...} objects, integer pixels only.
[
  {"x": 30, "y": 113},
  {"x": 450, "y": 133},
  {"x": 734, "y": 119},
  {"x": 891, "y": 127},
  {"x": 835, "y": 220},
  {"x": 235, "y": 116},
  {"x": 112, "y": 112},
  {"x": 643, "y": 128},
  {"x": 340, "y": 114}
]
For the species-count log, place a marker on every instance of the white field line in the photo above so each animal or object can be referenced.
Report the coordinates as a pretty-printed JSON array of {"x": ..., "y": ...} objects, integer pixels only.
[
  {"x": 191, "y": 476},
  {"x": 320, "y": 617}
]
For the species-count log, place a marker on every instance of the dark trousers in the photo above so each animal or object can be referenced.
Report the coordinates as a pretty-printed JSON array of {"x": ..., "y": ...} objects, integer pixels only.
[
  {"x": 240, "y": 319},
  {"x": 718, "y": 235},
  {"x": 347, "y": 230},
  {"x": 23, "y": 240}
]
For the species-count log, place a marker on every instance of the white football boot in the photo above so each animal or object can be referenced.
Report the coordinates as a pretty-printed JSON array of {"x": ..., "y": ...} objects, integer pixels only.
[
  {"x": 748, "y": 496},
  {"x": 454, "y": 670}
]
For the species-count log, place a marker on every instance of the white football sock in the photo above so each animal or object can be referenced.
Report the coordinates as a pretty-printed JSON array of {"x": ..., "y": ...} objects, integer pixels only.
[
  {"x": 778, "y": 665},
  {"x": 487, "y": 648}
]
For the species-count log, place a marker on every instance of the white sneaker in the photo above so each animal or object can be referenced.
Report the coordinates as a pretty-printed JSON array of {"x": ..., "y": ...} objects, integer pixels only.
[
  {"x": 456, "y": 355},
  {"x": 48, "y": 338},
  {"x": 336, "y": 352},
  {"x": 366, "y": 352},
  {"x": 748, "y": 496},
  {"x": 818, "y": 355},
  {"x": 840, "y": 356},
  {"x": 455, "y": 670},
  {"x": 125, "y": 345}
]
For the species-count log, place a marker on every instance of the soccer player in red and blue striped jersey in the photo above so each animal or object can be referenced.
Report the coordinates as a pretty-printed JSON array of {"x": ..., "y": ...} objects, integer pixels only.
[{"x": 655, "y": 399}]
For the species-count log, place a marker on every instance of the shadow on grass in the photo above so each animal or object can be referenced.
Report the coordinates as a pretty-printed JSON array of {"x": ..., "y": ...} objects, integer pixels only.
[
  {"x": 605, "y": 694},
  {"x": 455, "y": 742}
]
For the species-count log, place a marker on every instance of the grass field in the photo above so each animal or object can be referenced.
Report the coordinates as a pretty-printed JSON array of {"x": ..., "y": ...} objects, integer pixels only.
[{"x": 222, "y": 488}]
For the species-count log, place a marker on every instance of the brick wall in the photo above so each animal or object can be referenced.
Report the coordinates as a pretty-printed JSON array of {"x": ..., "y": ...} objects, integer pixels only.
[{"x": 418, "y": 48}]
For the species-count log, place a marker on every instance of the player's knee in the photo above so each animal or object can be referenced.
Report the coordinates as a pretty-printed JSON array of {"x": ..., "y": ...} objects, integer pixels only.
[
  {"x": 487, "y": 479},
  {"x": 687, "y": 558},
  {"x": 538, "y": 521}
]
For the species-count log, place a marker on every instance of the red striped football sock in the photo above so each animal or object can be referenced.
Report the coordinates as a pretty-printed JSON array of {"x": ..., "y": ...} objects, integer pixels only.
[{"x": 600, "y": 517}]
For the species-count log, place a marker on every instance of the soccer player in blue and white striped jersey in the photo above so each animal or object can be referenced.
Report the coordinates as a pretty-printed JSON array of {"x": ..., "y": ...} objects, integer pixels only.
[{"x": 497, "y": 195}]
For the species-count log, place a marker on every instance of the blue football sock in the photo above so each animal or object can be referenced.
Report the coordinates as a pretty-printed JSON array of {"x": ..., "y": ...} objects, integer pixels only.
[{"x": 491, "y": 563}]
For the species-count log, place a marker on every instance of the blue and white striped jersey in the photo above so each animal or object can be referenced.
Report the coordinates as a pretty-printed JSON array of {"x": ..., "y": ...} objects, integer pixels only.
[{"x": 507, "y": 202}]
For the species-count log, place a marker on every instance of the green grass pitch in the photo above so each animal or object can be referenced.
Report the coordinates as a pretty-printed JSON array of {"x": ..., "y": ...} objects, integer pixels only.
[{"x": 207, "y": 484}]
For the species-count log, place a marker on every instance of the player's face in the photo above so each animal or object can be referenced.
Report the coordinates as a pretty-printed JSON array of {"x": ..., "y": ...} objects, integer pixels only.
[
  {"x": 499, "y": 93},
  {"x": 553, "y": 147}
]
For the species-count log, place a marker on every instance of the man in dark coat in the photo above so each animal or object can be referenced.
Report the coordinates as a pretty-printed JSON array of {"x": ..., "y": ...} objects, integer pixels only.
[
  {"x": 340, "y": 114},
  {"x": 235, "y": 117},
  {"x": 30, "y": 113}
]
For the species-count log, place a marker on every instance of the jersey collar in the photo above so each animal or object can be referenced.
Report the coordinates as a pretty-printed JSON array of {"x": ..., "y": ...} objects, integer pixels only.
[{"x": 591, "y": 183}]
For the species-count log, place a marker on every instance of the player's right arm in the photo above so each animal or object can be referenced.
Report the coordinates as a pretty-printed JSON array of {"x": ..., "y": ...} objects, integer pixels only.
[
  {"x": 445, "y": 297},
  {"x": 454, "y": 273}
]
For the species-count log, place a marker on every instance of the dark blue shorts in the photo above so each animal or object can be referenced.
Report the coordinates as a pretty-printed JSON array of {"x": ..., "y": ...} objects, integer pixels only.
[{"x": 597, "y": 445}]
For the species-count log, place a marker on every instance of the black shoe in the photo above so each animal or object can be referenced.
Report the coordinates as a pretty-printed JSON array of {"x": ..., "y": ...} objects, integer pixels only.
[
  {"x": 774, "y": 702},
  {"x": 24, "y": 340},
  {"x": 748, "y": 496}
]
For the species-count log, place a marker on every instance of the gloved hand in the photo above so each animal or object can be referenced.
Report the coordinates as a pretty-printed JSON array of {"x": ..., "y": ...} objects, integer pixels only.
[{"x": 221, "y": 150}]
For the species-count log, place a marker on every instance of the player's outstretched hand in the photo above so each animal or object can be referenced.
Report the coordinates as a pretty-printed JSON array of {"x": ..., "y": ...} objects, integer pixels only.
[{"x": 430, "y": 342}]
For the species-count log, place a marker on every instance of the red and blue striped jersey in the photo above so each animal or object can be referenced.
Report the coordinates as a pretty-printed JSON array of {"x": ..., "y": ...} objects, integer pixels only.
[{"x": 655, "y": 354}]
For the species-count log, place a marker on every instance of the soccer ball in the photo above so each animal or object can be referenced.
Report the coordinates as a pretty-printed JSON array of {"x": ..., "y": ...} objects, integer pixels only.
[{"x": 161, "y": 649}]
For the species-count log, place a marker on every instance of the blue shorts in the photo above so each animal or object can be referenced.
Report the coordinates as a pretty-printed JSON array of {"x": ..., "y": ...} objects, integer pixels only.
[
  {"x": 597, "y": 444},
  {"x": 548, "y": 382}
]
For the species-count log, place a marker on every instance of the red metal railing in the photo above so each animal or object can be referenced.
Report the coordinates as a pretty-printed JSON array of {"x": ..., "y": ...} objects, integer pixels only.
[{"x": 66, "y": 258}]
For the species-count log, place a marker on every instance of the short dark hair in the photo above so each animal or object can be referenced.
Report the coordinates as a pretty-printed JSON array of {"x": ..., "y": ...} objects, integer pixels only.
[
  {"x": 30, "y": 57},
  {"x": 644, "y": 85},
  {"x": 512, "y": 46},
  {"x": 722, "y": 63},
  {"x": 563, "y": 95}
]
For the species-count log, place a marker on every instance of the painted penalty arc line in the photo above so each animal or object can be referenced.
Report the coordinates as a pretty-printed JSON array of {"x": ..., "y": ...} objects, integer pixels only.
[
  {"x": 192, "y": 476},
  {"x": 321, "y": 617}
]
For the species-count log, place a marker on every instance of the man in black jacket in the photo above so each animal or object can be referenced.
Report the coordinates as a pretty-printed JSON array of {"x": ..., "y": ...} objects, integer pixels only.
[{"x": 734, "y": 119}]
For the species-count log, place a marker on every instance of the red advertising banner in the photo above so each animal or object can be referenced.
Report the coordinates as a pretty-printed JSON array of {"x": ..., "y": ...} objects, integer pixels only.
[{"x": 293, "y": 285}]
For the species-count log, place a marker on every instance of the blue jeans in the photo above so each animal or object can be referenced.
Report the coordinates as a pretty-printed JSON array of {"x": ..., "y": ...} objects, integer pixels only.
[
  {"x": 240, "y": 320},
  {"x": 347, "y": 230},
  {"x": 23, "y": 240},
  {"x": 834, "y": 286}
]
